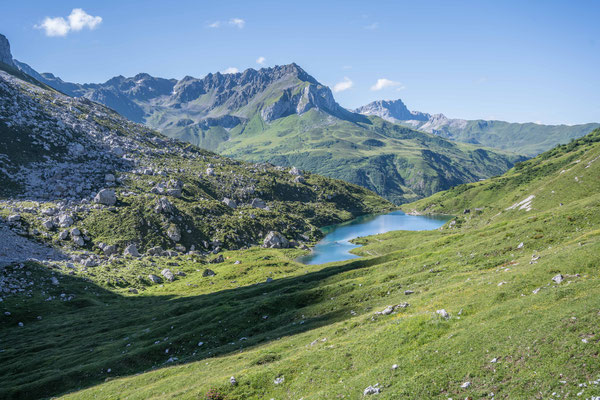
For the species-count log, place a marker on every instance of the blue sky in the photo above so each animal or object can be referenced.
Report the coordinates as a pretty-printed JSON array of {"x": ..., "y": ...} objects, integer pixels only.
[{"x": 519, "y": 61}]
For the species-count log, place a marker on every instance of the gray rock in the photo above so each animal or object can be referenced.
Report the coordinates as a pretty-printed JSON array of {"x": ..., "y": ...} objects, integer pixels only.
[
  {"x": 232, "y": 381},
  {"x": 217, "y": 260},
  {"x": 131, "y": 250},
  {"x": 14, "y": 218},
  {"x": 275, "y": 240},
  {"x": 372, "y": 390},
  {"x": 78, "y": 240},
  {"x": 558, "y": 278},
  {"x": 155, "y": 251},
  {"x": 443, "y": 313},
  {"x": 295, "y": 171},
  {"x": 109, "y": 250},
  {"x": 106, "y": 197},
  {"x": 230, "y": 203},
  {"x": 208, "y": 272},
  {"x": 48, "y": 224},
  {"x": 63, "y": 235},
  {"x": 65, "y": 221},
  {"x": 155, "y": 279},
  {"x": 163, "y": 205},
  {"x": 168, "y": 275},
  {"x": 258, "y": 203},
  {"x": 174, "y": 234}
]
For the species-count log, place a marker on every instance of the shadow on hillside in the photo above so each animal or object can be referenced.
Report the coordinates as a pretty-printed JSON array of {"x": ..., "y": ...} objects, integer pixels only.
[{"x": 76, "y": 342}]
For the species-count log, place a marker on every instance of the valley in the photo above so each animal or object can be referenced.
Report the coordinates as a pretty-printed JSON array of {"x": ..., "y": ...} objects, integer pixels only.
[{"x": 244, "y": 236}]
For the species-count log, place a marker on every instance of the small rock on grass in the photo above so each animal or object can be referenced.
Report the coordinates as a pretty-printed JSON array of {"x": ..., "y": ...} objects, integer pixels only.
[{"x": 374, "y": 389}]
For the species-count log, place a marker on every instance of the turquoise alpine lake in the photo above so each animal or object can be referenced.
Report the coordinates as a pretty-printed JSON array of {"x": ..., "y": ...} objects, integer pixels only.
[{"x": 336, "y": 246}]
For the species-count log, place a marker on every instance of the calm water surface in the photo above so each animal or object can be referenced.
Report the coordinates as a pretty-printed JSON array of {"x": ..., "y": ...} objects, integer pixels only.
[{"x": 336, "y": 246}]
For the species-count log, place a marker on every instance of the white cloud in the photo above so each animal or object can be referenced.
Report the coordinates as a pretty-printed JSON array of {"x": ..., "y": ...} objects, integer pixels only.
[
  {"x": 76, "y": 21},
  {"x": 54, "y": 26},
  {"x": 231, "y": 70},
  {"x": 383, "y": 83},
  {"x": 79, "y": 19},
  {"x": 261, "y": 60},
  {"x": 237, "y": 22},
  {"x": 372, "y": 26},
  {"x": 343, "y": 85}
]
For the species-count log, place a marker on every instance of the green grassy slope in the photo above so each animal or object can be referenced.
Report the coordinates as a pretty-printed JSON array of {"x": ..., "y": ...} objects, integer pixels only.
[
  {"x": 512, "y": 332},
  {"x": 397, "y": 163}
]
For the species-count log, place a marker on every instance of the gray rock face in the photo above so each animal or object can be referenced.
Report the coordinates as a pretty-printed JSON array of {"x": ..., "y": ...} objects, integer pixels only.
[
  {"x": 5, "y": 55},
  {"x": 275, "y": 240},
  {"x": 131, "y": 251},
  {"x": 392, "y": 110},
  {"x": 106, "y": 197},
  {"x": 312, "y": 96}
]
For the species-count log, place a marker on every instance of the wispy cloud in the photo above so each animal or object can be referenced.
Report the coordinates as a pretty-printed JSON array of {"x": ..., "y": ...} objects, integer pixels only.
[
  {"x": 231, "y": 70},
  {"x": 75, "y": 22},
  {"x": 261, "y": 60},
  {"x": 233, "y": 22},
  {"x": 237, "y": 22},
  {"x": 372, "y": 27},
  {"x": 343, "y": 85},
  {"x": 383, "y": 83}
]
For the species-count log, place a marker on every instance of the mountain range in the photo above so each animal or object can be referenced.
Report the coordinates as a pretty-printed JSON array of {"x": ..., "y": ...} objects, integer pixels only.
[
  {"x": 528, "y": 139},
  {"x": 285, "y": 116}
]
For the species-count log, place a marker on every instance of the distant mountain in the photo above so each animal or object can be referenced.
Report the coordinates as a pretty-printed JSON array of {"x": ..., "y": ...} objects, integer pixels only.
[
  {"x": 285, "y": 116},
  {"x": 529, "y": 138}
]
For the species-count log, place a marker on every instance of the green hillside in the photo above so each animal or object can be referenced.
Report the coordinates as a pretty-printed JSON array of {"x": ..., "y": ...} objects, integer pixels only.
[
  {"x": 527, "y": 138},
  {"x": 398, "y": 163},
  {"x": 316, "y": 332}
]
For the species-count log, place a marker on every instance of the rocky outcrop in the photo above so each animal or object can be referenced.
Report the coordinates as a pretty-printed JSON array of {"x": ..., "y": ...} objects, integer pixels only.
[
  {"x": 276, "y": 240},
  {"x": 392, "y": 110},
  {"x": 299, "y": 102},
  {"x": 5, "y": 54}
]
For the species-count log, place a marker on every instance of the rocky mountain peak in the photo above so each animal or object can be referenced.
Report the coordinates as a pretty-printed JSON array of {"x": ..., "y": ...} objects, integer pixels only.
[
  {"x": 5, "y": 55},
  {"x": 392, "y": 110}
]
